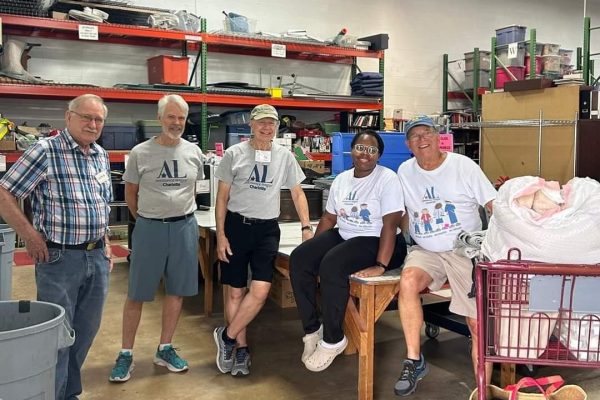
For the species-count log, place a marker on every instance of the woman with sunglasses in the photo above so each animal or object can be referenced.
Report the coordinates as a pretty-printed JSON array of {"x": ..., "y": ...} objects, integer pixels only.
[{"x": 357, "y": 235}]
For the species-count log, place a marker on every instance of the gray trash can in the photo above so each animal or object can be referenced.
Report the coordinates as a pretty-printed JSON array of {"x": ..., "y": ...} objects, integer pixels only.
[
  {"x": 7, "y": 249},
  {"x": 31, "y": 333}
]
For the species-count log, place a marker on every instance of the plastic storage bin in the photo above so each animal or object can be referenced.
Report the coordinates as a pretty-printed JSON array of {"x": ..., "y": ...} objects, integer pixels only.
[
  {"x": 484, "y": 60},
  {"x": 237, "y": 133},
  {"x": 538, "y": 48},
  {"x": 510, "y": 34},
  {"x": 551, "y": 64},
  {"x": 7, "y": 249},
  {"x": 484, "y": 79},
  {"x": 31, "y": 333},
  {"x": 395, "y": 152},
  {"x": 118, "y": 137},
  {"x": 502, "y": 76},
  {"x": 168, "y": 70},
  {"x": 538, "y": 65},
  {"x": 550, "y": 49},
  {"x": 518, "y": 61}
]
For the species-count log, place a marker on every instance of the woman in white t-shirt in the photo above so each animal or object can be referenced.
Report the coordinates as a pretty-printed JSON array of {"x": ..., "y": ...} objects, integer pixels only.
[{"x": 366, "y": 203}]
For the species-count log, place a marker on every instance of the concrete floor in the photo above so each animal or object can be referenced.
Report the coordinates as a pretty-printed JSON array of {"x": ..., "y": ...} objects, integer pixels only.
[{"x": 276, "y": 372}]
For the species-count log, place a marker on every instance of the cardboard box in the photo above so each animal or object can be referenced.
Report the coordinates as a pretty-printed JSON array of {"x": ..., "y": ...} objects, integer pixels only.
[
  {"x": 316, "y": 165},
  {"x": 281, "y": 289},
  {"x": 9, "y": 144}
]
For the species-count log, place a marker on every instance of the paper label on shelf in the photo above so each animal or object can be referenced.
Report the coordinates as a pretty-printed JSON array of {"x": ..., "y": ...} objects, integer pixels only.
[
  {"x": 193, "y": 38},
  {"x": 278, "y": 50},
  {"x": 2, "y": 163},
  {"x": 513, "y": 49},
  {"x": 447, "y": 142},
  {"x": 88, "y": 32}
]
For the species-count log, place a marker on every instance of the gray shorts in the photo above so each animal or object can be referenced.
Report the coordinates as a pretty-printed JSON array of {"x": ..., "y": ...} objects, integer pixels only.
[
  {"x": 163, "y": 250},
  {"x": 447, "y": 266}
]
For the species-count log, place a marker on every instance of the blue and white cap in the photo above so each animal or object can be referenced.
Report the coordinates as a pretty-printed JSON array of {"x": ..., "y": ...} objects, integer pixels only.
[{"x": 417, "y": 121}]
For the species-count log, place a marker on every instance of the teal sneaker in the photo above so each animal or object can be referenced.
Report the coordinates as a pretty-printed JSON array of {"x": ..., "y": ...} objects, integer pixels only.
[
  {"x": 121, "y": 372},
  {"x": 169, "y": 358},
  {"x": 411, "y": 374}
]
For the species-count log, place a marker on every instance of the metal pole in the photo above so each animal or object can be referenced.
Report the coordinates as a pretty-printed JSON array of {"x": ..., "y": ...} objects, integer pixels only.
[
  {"x": 203, "y": 53},
  {"x": 540, "y": 145},
  {"x": 381, "y": 71},
  {"x": 532, "y": 54},
  {"x": 445, "y": 84},
  {"x": 493, "y": 65},
  {"x": 476, "y": 82},
  {"x": 586, "y": 50},
  {"x": 575, "y": 137}
]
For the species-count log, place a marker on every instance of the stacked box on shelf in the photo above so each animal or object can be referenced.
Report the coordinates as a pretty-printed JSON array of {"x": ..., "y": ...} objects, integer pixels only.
[
  {"x": 395, "y": 153},
  {"x": 484, "y": 79},
  {"x": 484, "y": 60},
  {"x": 118, "y": 137},
  {"x": 502, "y": 76},
  {"x": 551, "y": 59},
  {"x": 510, "y": 34},
  {"x": 518, "y": 61}
]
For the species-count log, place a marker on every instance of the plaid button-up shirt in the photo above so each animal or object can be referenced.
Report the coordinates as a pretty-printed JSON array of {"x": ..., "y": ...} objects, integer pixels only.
[{"x": 70, "y": 190}]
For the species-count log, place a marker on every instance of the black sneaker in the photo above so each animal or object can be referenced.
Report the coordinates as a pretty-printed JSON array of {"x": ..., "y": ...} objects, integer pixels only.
[
  {"x": 241, "y": 362},
  {"x": 411, "y": 374}
]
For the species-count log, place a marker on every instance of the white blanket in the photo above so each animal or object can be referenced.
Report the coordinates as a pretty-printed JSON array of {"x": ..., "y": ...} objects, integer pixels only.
[{"x": 569, "y": 233}]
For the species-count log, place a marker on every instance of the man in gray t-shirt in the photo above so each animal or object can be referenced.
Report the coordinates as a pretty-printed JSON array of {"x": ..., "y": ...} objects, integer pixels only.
[
  {"x": 251, "y": 175},
  {"x": 160, "y": 181}
]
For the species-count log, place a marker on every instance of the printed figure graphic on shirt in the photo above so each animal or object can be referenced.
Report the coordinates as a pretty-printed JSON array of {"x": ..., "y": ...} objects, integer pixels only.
[
  {"x": 354, "y": 212},
  {"x": 342, "y": 213},
  {"x": 426, "y": 219},
  {"x": 416, "y": 223},
  {"x": 451, "y": 211},
  {"x": 365, "y": 213},
  {"x": 438, "y": 214}
]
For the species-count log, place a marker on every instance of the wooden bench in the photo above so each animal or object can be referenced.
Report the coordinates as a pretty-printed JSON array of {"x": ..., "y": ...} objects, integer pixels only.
[{"x": 369, "y": 297}]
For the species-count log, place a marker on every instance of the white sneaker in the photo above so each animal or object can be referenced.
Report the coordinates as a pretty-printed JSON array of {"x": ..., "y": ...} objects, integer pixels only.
[
  {"x": 310, "y": 342},
  {"x": 323, "y": 357}
]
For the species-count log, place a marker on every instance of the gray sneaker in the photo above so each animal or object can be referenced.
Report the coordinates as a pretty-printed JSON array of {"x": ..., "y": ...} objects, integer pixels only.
[
  {"x": 411, "y": 374},
  {"x": 241, "y": 362},
  {"x": 224, "y": 351}
]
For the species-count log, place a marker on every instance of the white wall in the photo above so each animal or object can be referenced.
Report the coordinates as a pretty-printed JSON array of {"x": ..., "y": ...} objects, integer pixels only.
[{"x": 420, "y": 32}]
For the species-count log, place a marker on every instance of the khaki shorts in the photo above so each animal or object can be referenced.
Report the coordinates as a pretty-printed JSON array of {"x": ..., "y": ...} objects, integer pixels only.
[{"x": 447, "y": 266}]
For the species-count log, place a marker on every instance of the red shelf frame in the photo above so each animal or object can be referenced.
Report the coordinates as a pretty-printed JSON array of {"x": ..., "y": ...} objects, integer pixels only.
[
  {"x": 50, "y": 92},
  {"x": 458, "y": 95}
]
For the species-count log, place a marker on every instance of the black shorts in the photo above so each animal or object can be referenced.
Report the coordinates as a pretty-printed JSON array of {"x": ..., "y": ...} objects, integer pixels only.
[{"x": 254, "y": 242}]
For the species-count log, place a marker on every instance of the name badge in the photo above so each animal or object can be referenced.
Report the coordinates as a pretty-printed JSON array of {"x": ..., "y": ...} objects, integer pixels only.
[
  {"x": 262, "y": 156},
  {"x": 102, "y": 177}
]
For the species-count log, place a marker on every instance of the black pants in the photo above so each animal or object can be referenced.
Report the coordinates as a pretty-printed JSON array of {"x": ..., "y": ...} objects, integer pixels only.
[{"x": 333, "y": 259}]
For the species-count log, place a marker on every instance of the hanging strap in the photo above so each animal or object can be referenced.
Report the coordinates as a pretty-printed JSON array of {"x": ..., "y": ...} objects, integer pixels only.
[{"x": 552, "y": 382}]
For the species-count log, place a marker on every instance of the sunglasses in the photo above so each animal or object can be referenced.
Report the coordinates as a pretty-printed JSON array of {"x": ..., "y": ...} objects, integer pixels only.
[{"x": 361, "y": 148}]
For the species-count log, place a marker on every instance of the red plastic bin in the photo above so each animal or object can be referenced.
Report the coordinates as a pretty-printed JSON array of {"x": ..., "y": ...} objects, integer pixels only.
[
  {"x": 168, "y": 70},
  {"x": 502, "y": 76},
  {"x": 538, "y": 65}
]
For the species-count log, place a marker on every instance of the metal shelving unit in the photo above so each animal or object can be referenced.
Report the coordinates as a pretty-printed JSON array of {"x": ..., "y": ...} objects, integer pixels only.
[
  {"x": 469, "y": 94},
  {"x": 203, "y": 43}
]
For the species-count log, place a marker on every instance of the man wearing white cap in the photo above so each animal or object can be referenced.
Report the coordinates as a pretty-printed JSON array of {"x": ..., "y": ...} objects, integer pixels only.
[
  {"x": 251, "y": 175},
  {"x": 451, "y": 187}
]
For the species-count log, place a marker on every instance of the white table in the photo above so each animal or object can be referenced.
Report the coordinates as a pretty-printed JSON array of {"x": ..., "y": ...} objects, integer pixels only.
[{"x": 291, "y": 237}]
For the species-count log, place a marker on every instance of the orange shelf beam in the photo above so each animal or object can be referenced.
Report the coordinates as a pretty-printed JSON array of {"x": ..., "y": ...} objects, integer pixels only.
[
  {"x": 457, "y": 95},
  {"x": 112, "y": 94}
]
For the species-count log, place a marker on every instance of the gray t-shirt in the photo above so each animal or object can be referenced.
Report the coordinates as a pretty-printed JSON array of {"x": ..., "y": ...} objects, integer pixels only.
[
  {"x": 255, "y": 186},
  {"x": 166, "y": 177}
]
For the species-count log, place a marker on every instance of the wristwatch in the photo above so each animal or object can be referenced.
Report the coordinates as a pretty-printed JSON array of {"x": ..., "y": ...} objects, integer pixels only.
[{"x": 307, "y": 228}]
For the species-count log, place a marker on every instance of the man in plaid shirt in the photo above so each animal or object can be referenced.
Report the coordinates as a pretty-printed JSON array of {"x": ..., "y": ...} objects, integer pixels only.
[{"x": 67, "y": 178}]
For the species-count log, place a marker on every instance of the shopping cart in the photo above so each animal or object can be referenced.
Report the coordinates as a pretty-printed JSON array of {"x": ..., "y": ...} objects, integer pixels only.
[{"x": 537, "y": 313}]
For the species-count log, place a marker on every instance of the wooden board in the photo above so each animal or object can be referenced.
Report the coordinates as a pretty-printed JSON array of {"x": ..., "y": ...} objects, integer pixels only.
[{"x": 513, "y": 151}]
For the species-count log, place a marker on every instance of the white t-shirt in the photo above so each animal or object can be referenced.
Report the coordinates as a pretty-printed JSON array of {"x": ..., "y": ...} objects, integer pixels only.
[
  {"x": 443, "y": 202},
  {"x": 361, "y": 203}
]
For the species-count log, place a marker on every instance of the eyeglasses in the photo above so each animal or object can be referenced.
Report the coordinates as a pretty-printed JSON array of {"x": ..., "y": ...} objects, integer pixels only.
[
  {"x": 424, "y": 135},
  {"x": 88, "y": 118},
  {"x": 266, "y": 122},
  {"x": 361, "y": 148}
]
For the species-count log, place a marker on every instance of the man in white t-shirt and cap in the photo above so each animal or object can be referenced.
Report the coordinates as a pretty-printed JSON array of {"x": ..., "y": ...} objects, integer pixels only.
[
  {"x": 442, "y": 192},
  {"x": 251, "y": 175}
]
